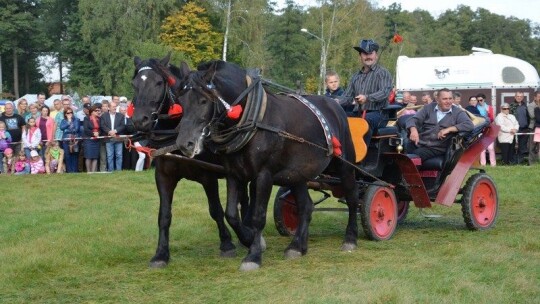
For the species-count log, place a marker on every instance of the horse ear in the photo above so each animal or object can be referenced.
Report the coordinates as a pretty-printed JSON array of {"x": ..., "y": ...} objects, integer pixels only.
[
  {"x": 184, "y": 68},
  {"x": 166, "y": 59},
  {"x": 137, "y": 60}
]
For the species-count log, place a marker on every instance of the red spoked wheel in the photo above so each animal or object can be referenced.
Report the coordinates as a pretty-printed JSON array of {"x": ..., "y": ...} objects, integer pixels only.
[
  {"x": 285, "y": 212},
  {"x": 379, "y": 213},
  {"x": 480, "y": 202}
]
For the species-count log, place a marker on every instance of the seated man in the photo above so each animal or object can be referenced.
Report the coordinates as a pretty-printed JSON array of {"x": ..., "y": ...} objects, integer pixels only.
[
  {"x": 369, "y": 87},
  {"x": 432, "y": 127}
]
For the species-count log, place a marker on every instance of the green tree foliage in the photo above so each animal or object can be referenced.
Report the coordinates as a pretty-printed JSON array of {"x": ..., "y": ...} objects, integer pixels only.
[
  {"x": 21, "y": 40},
  {"x": 287, "y": 47},
  {"x": 248, "y": 30},
  {"x": 114, "y": 30},
  {"x": 341, "y": 24},
  {"x": 189, "y": 31},
  {"x": 98, "y": 39}
]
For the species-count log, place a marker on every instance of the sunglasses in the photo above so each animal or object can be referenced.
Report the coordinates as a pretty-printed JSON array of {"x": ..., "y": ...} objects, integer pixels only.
[
  {"x": 69, "y": 112},
  {"x": 506, "y": 108}
]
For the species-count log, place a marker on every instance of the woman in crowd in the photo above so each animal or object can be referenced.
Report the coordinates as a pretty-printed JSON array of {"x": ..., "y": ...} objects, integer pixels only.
[
  {"x": 22, "y": 107},
  {"x": 70, "y": 143},
  {"x": 31, "y": 137},
  {"x": 54, "y": 158},
  {"x": 91, "y": 145},
  {"x": 473, "y": 102},
  {"x": 33, "y": 113},
  {"x": 509, "y": 127},
  {"x": 47, "y": 127}
]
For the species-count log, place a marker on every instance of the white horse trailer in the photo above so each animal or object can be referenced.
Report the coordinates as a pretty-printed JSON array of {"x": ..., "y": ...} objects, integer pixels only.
[{"x": 497, "y": 76}]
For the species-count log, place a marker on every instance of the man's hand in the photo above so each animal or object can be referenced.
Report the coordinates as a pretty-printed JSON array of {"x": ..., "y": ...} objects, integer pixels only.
[
  {"x": 442, "y": 133},
  {"x": 414, "y": 137},
  {"x": 361, "y": 99}
]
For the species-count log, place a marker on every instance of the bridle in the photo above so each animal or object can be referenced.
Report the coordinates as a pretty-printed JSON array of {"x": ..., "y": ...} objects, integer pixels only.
[
  {"x": 224, "y": 132},
  {"x": 168, "y": 98}
]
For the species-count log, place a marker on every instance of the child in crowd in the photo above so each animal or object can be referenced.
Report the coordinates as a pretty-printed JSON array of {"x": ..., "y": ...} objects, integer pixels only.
[
  {"x": 5, "y": 139},
  {"x": 31, "y": 137},
  {"x": 8, "y": 162},
  {"x": 54, "y": 158},
  {"x": 36, "y": 163},
  {"x": 21, "y": 165}
]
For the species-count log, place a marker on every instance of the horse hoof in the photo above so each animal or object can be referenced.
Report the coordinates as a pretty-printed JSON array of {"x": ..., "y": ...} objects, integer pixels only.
[
  {"x": 249, "y": 266},
  {"x": 157, "y": 264},
  {"x": 348, "y": 247},
  {"x": 292, "y": 254},
  {"x": 228, "y": 253}
]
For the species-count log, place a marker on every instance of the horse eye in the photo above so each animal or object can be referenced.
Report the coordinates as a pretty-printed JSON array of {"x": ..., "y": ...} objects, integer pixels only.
[{"x": 159, "y": 82}]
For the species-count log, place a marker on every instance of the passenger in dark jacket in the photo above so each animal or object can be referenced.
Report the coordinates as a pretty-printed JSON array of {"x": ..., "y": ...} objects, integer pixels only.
[{"x": 432, "y": 128}]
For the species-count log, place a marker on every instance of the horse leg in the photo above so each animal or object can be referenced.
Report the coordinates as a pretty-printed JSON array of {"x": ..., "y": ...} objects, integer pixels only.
[
  {"x": 263, "y": 187},
  {"x": 165, "y": 185},
  {"x": 299, "y": 243},
  {"x": 226, "y": 247},
  {"x": 350, "y": 187},
  {"x": 234, "y": 191},
  {"x": 245, "y": 211}
]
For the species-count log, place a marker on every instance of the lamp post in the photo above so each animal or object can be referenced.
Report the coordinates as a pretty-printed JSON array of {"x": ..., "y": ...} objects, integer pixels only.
[{"x": 320, "y": 87}]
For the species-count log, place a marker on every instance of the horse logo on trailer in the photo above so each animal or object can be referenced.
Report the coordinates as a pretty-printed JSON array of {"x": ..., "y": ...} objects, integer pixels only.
[{"x": 442, "y": 74}]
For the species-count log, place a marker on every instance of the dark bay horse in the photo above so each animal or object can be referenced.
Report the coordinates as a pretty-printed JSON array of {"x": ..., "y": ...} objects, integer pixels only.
[
  {"x": 284, "y": 143},
  {"x": 154, "y": 95}
]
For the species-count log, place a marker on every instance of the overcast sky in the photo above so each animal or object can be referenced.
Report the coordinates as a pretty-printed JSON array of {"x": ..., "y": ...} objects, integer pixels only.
[{"x": 522, "y": 9}]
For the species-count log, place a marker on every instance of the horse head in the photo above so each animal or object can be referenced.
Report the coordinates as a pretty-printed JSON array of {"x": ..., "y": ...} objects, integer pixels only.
[
  {"x": 154, "y": 82},
  {"x": 205, "y": 96}
]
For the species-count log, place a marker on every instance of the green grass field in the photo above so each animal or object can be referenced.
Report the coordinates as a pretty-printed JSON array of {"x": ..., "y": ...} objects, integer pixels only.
[{"x": 88, "y": 238}]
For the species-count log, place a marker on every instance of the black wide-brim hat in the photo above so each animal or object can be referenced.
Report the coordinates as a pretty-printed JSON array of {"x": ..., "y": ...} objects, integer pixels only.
[{"x": 367, "y": 46}]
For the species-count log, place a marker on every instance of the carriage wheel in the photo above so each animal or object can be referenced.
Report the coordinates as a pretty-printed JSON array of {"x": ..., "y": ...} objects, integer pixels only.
[
  {"x": 285, "y": 212},
  {"x": 402, "y": 211},
  {"x": 379, "y": 213},
  {"x": 480, "y": 202}
]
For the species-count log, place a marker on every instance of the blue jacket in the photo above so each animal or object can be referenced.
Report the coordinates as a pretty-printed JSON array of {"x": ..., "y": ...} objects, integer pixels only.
[{"x": 70, "y": 129}]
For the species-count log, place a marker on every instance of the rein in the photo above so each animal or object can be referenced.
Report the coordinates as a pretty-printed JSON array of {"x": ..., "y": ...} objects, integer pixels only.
[{"x": 234, "y": 138}]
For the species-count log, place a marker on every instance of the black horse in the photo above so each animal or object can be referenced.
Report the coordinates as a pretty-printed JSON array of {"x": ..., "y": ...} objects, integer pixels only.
[
  {"x": 154, "y": 85},
  {"x": 277, "y": 140}
]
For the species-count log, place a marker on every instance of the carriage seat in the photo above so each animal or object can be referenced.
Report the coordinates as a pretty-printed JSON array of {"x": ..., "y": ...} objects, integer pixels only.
[
  {"x": 435, "y": 163},
  {"x": 385, "y": 130}
]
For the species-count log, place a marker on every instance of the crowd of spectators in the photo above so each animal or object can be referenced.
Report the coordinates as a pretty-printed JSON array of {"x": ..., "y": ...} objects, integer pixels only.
[
  {"x": 36, "y": 139},
  {"x": 519, "y": 122},
  {"x": 519, "y": 135}
]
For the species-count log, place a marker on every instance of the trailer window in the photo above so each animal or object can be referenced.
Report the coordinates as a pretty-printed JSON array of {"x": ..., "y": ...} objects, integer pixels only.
[{"x": 512, "y": 75}]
